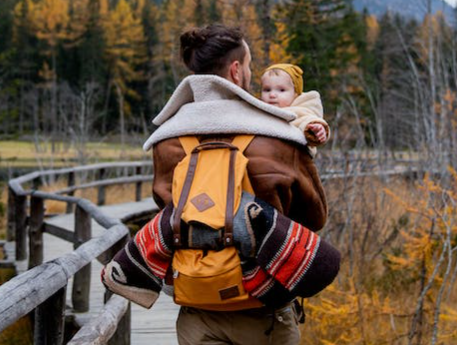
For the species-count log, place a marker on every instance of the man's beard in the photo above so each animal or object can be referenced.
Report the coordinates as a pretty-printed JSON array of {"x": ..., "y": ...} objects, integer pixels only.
[{"x": 244, "y": 84}]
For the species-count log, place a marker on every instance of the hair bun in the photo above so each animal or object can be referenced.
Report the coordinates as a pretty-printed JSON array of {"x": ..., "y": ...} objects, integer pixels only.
[
  {"x": 193, "y": 38},
  {"x": 206, "y": 50}
]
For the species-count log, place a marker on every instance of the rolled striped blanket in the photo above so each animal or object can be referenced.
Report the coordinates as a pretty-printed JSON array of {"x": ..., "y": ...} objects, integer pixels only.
[{"x": 280, "y": 258}]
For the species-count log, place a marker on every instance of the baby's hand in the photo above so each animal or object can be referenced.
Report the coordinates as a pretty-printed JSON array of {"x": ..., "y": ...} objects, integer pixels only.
[{"x": 318, "y": 131}]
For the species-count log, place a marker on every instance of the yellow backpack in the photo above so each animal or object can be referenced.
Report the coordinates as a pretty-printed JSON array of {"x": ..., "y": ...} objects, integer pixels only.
[{"x": 207, "y": 187}]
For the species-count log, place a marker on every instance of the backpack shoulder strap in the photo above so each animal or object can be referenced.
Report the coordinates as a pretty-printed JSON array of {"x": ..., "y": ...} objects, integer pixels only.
[
  {"x": 189, "y": 143},
  {"x": 242, "y": 141}
]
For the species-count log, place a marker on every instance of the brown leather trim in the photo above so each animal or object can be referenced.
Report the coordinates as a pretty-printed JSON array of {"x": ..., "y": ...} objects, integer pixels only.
[
  {"x": 228, "y": 234},
  {"x": 215, "y": 145},
  {"x": 183, "y": 198}
]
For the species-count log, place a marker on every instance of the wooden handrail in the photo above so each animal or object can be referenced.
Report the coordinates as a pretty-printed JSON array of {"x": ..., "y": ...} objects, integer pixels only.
[
  {"x": 43, "y": 287},
  {"x": 103, "y": 326},
  {"x": 28, "y": 290},
  {"x": 36, "y": 174},
  {"x": 108, "y": 182}
]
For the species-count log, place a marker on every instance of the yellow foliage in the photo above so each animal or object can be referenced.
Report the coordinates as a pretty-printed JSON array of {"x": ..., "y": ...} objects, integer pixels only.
[
  {"x": 449, "y": 314},
  {"x": 23, "y": 14},
  {"x": 342, "y": 315},
  {"x": 175, "y": 16},
  {"x": 104, "y": 7},
  {"x": 125, "y": 47},
  {"x": 50, "y": 20},
  {"x": 278, "y": 46},
  {"x": 374, "y": 300},
  {"x": 372, "y": 30},
  {"x": 46, "y": 73}
]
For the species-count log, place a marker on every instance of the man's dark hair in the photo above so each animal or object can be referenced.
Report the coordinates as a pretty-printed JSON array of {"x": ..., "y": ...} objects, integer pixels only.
[{"x": 211, "y": 49}]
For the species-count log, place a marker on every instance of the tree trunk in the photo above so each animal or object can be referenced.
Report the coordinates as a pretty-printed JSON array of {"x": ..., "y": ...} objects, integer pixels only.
[{"x": 120, "y": 98}]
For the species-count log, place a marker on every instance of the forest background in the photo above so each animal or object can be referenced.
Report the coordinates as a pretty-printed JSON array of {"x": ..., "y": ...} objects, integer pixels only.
[{"x": 79, "y": 71}]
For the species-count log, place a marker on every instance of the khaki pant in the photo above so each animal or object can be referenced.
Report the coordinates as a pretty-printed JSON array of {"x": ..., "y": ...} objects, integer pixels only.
[{"x": 246, "y": 327}]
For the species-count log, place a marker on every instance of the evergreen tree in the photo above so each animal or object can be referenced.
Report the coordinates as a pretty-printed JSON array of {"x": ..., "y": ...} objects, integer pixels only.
[
  {"x": 25, "y": 60},
  {"x": 6, "y": 25},
  {"x": 90, "y": 51},
  {"x": 22, "y": 62},
  {"x": 314, "y": 27},
  {"x": 214, "y": 15}
]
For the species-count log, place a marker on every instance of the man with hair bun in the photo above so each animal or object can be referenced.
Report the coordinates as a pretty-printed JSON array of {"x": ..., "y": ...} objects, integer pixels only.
[{"x": 214, "y": 103}]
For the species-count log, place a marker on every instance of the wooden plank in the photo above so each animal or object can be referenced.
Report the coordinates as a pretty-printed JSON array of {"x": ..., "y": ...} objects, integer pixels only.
[
  {"x": 99, "y": 216},
  {"x": 101, "y": 184},
  {"x": 20, "y": 207},
  {"x": 103, "y": 326},
  {"x": 11, "y": 222},
  {"x": 138, "y": 185},
  {"x": 81, "y": 280},
  {"x": 101, "y": 197},
  {"x": 59, "y": 232},
  {"x": 36, "y": 232},
  {"x": 123, "y": 331},
  {"x": 110, "y": 165},
  {"x": 70, "y": 183},
  {"x": 49, "y": 320}
]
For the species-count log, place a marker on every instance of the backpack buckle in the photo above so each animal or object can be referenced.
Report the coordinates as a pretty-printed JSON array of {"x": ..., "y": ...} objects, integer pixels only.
[
  {"x": 228, "y": 239},
  {"x": 177, "y": 239}
]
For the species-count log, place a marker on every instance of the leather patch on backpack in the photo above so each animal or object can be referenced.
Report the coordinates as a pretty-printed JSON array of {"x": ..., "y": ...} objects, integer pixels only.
[
  {"x": 229, "y": 292},
  {"x": 202, "y": 202}
]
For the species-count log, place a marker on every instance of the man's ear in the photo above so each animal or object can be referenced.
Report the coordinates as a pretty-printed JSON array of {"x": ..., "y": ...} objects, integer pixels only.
[{"x": 235, "y": 72}]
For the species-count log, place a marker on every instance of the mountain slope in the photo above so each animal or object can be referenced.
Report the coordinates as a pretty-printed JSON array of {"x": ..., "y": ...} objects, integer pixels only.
[{"x": 408, "y": 8}]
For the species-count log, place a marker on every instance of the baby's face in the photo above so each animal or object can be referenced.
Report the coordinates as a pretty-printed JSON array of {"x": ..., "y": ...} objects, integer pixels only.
[{"x": 277, "y": 89}]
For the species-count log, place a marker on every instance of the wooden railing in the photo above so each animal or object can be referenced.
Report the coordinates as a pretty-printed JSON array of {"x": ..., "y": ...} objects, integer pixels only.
[{"x": 42, "y": 288}]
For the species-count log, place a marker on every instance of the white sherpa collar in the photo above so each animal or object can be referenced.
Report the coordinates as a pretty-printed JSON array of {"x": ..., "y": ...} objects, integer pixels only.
[{"x": 208, "y": 104}]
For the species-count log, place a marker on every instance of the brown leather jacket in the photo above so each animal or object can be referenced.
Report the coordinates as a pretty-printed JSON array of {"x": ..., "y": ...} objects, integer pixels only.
[{"x": 281, "y": 173}]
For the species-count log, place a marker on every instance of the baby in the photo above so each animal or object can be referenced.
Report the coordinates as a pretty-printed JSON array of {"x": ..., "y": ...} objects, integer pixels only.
[{"x": 282, "y": 86}]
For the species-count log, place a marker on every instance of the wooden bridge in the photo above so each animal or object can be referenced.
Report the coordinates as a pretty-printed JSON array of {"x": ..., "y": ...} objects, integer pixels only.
[{"x": 60, "y": 257}]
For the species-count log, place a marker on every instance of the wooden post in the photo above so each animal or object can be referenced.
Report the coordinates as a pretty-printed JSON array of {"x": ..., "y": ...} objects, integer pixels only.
[
  {"x": 81, "y": 282},
  {"x": 70, "y": 183},
  {"x": 138, "y": 185},
  {"x": 101, "y": 189},
  {"x": 36, "y": 232},
  {"x": 50, "y": 320},
  {"x": 123, "y": 330},
  {"x": 36, "y": 183},
  {"x": 11, "y": 222},
  {"x": 20, "y": 208}
]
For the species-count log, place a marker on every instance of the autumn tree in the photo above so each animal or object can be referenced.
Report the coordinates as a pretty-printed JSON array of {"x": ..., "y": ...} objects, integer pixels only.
[
  {"x": 51, "y": 24},
  {"x": 124, "y": 52}
]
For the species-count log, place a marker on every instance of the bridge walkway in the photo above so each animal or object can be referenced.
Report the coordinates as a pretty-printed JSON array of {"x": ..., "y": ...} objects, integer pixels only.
[{"x": 148, "y": 326}]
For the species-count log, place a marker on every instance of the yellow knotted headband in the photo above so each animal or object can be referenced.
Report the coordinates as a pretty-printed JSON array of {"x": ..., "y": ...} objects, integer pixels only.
[{"x": 294, "y": 72}]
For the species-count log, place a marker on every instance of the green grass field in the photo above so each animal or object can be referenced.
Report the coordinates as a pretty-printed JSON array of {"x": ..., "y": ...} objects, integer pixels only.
[{"x": 28, "y": 155}]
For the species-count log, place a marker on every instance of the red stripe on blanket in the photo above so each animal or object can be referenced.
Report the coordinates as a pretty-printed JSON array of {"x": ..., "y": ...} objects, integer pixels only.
[
  {"x": 256, "y": 280},
  {"x": 151, "y": 248},
  {"x": 310, "y": 254},
  {"x": 283, "y": 255},
  {"x": 296, "y": 263}
]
